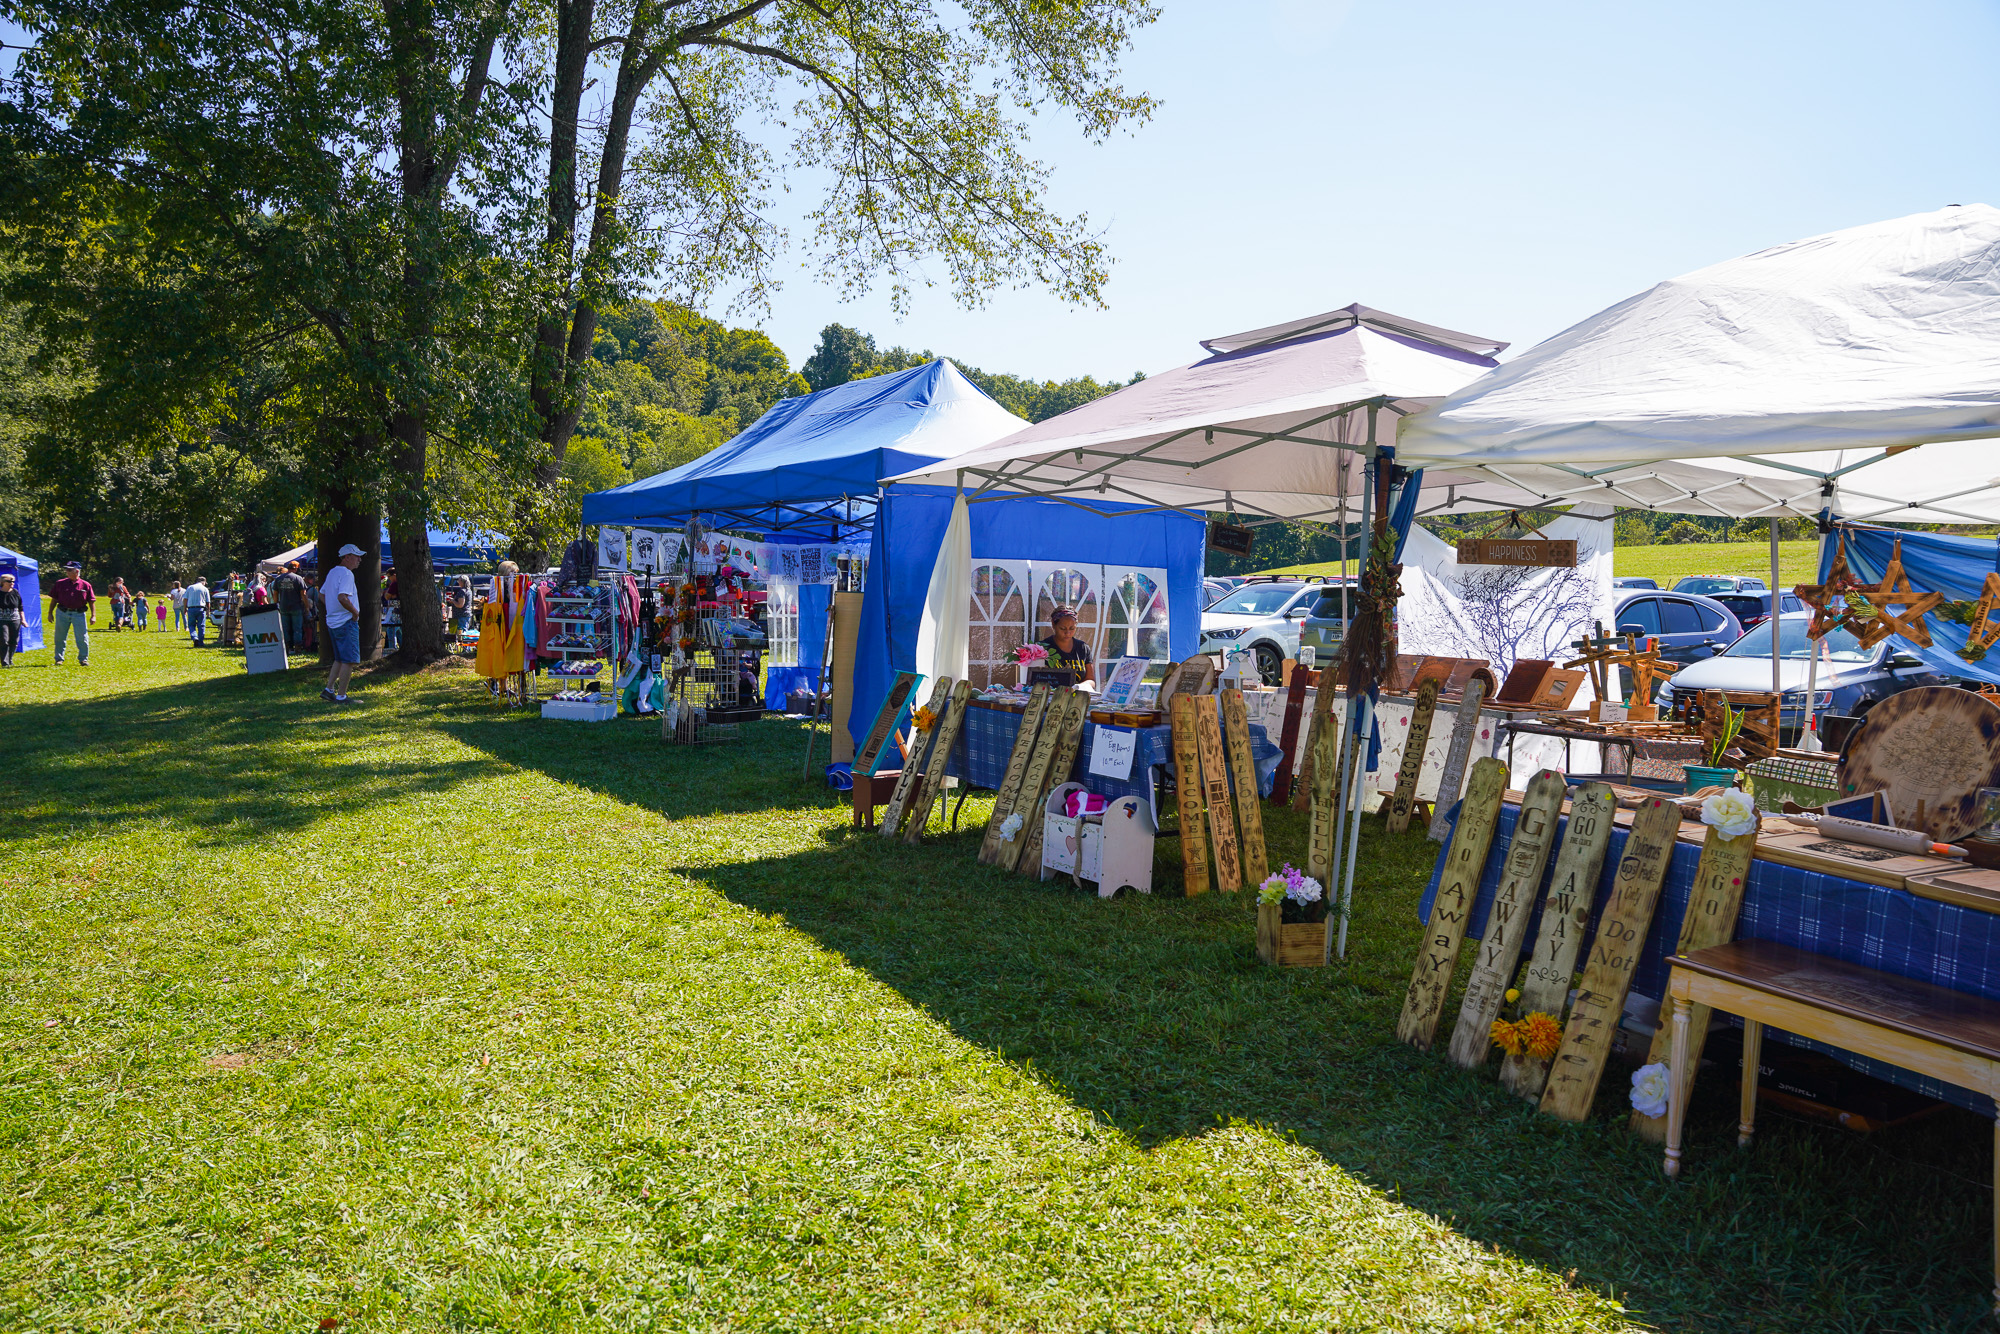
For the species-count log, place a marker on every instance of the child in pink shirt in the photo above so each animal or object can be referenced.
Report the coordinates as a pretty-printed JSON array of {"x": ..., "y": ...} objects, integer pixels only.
[{"x": 160, "y": 614}]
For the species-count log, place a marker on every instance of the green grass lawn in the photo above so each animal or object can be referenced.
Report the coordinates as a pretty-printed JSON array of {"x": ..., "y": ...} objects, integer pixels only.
[
  {"x": 421, "y": 1015},
  {"x": 1666, "y": 564}
]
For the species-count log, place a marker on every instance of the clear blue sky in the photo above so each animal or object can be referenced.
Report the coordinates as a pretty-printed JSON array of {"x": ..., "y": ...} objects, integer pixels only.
[{"x": 1502, "y": 169}]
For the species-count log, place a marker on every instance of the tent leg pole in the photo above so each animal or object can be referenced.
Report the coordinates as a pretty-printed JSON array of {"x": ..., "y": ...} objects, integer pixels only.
[
  {"x": 1364, "y": 721},
  {"x": 1777, "y": 676},
  {"x": 1808, "y": 739}
]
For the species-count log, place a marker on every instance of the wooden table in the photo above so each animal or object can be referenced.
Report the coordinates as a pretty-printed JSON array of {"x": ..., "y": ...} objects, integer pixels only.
[{"x": 1947, "y": 1035}]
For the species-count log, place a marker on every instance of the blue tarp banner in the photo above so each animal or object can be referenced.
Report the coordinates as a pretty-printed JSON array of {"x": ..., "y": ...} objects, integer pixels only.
[
  {"x": 909, "y": 529},
  {"x": 814, "y": 600},
  {"x": 1935, "y": 562}
]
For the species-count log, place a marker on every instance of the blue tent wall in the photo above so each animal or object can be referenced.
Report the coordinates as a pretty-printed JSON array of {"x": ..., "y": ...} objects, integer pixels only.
[
  {"x": 1954, "y": 566},
  {"x": 909, "y": 529},
  {"x": 28, "y": 583}
]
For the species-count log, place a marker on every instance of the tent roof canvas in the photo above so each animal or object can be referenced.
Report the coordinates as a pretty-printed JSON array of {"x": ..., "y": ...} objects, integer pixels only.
[
  {"x": 19, "y": 561},
  {"x": 799, "y": 461}
]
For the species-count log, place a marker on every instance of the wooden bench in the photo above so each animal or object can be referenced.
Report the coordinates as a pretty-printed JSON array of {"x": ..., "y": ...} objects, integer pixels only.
[{"x": 1947, "y": 1035}]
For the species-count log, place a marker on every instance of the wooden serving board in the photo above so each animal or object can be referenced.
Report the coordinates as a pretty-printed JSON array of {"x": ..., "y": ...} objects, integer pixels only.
[
  {"x": 1565, "y": 917},
  {"x": 947, "y": 736},
  {"x": 1069, "y": 735},
  {"x": 1614, "y": 957},
  {"x": 1034, "y": 780},
  {"x": 1215, "y": 791},
  {"x": 1465, "y": 863},
  {"x": 1464, "y": 729},
  {"x": 1507, "y": 926},
  {"x": 1713, "y": 906},
  {"x": 1965, "y": 886},
  {"x": 1017, "y": 768},
  {"x": 1249, "y": 806},
  {"x": 906, "y": 784},
  {"x": 1854, "y": 861},
  {"x": 1187, "y": 788},
  {"x": 1930, "y": 749},
  {"x": 1412, "y": 769}
]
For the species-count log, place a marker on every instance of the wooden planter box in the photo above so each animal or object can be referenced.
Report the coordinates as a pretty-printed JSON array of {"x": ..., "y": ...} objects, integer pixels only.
[{"x": 1289, "y": 945}]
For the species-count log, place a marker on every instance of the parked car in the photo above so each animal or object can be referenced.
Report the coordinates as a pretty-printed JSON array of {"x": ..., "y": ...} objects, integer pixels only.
[
  {"x": 1632, "y": 581},
  {"x": 1850, "y": 680},
  {"x": 1688, "y": 628},
  {"x": 1213, "y": 590},
  {"x": 1753, "y": 609},
  {"x": 1269, "y": 617},
  {"x": 1708, "y": 585}
]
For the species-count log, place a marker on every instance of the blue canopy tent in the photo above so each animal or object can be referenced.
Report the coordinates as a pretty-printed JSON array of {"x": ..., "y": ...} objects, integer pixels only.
[
  {"x": 449, "y": 549},
  {"x": 28, "y": 583},
  {"x": 809, "y": 466}
]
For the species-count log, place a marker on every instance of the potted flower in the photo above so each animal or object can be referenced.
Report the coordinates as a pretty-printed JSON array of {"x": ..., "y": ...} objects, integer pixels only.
[
  {"x": 1291, "y": 920},
  {"x": 1717, "y": 771},
  {"x": 1026, "y": 656}
]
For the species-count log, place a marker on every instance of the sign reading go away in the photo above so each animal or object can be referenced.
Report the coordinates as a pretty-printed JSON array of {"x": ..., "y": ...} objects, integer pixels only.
[{"x": 1516, "y": 551}]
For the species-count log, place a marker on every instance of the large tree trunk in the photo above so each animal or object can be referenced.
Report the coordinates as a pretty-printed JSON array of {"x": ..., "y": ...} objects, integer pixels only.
[
  {"x": 359, "y": 523},
  {"x": 410, "y": 543}
]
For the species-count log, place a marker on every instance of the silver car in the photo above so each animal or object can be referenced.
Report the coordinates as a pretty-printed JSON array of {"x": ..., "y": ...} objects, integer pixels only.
[
  {"x": 1272, "y": 618},
  {"x": 1850, "y": 680}
]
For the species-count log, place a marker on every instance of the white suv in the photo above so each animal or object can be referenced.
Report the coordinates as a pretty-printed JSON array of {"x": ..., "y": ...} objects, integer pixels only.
[{"x": 1268, "y": 617}]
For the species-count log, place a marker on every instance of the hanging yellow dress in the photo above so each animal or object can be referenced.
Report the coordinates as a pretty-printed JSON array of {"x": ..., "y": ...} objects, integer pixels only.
[
  {"x": 513, "y": 646},
  {"x": 489, "y": 659}
]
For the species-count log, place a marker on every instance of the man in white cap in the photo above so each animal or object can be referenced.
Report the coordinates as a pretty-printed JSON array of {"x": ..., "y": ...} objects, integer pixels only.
[{"x": 343, "y": 623}]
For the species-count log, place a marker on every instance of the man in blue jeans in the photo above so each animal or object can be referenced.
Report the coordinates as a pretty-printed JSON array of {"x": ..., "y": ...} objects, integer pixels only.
[
  {"x": 343, "y": 623},
  {"x": 197, "y": 611},
  {"x": 75, "y": 600}
]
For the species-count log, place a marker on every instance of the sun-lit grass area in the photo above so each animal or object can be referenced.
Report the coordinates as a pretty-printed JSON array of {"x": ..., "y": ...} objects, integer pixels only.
[
  {"x": 1666, "y": 564},
  {"x": 424, "y": 1015}
]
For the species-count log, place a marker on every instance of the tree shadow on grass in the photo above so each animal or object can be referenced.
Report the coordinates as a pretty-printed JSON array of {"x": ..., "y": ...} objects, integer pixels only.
[{"x": 1154, "y": 1013}]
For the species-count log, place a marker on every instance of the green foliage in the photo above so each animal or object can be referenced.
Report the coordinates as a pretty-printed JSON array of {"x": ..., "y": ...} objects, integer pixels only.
[
  {"x": 1686, "y": 530},
  {"x": 1632, "y": 530}
]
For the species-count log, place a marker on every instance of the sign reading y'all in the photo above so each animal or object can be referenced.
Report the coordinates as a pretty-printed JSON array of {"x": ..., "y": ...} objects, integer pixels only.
[{"x": 1529, "y": 551}]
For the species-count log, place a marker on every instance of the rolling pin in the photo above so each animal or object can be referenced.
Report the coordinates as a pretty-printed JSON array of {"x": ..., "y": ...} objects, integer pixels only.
[{"x": 1877, "y": 835}]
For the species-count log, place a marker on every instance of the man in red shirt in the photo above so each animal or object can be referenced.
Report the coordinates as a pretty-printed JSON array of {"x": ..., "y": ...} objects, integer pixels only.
[{"x": 75, "y": 601}]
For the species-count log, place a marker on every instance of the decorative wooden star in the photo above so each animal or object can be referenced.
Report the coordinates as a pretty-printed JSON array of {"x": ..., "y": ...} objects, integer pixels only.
[
  {"x": 1895, "y": 590},
  {"x": 1983, "y": 630},
  {"x": 1829, "y": 600}
]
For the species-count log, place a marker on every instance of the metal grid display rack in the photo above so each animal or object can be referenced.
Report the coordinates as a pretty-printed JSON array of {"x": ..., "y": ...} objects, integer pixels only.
[
  {"x": 709, "y": 685},
  {"x": 586, "y": 629}
]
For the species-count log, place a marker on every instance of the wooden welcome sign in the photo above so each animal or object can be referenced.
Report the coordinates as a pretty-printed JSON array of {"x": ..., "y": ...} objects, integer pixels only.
[{"x": 1529, "y": 551}]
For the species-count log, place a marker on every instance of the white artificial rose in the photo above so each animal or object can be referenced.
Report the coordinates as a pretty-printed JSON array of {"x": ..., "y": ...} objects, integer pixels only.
[
  {"x": 1731, "y": 813},
  {"x": 1011, "y": 826},
  {"x": 1649, "y": 1089}
]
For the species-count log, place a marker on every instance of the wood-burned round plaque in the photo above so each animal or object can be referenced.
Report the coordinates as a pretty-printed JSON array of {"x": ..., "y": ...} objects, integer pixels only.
[{"x": 1931, "y": 749}]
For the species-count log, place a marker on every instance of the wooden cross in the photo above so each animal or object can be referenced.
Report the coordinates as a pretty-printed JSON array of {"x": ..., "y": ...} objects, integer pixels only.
[
  {"x": 1895, "y": 590},
  {"x": 1643, "y": 663},
  {"x": 1598, "y": 654}
]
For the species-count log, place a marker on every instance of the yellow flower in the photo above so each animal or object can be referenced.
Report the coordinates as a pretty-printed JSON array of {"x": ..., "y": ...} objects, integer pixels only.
[
  {"x": 1541, "y": 1035},
  {"x": 924, "y": 718},
  {"x": 1507, "y": 1037},
  {"x": 1513, "y": 994}
]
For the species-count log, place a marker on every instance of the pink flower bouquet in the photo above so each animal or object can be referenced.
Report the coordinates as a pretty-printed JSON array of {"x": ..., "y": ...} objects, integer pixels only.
[{"x": 1030, "y": 654}]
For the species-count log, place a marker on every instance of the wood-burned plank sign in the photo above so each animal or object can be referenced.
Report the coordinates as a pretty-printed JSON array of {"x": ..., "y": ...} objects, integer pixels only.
[
  {"x": 1017, "y": 768},
  {"x": 1565, "y": 917},
  {"x": 1525, "y": 551},
  {"x": 1215, "y": 790},
  {"x": 1464, "y": 729},
  {"x": 947, "y": 729},
  {"x": 1464, "y": 864},
  {"x": 1412, "y": 770},
  {"x": 1243, "y": 768},
  {"x": 1614, "y": 957},
  {"x": 906, "y": 783},
  {"x": 1034, "y": 782},
  {"x": 1187, "y": 788},
  {"x": 1069, "y": 737},
  {"x": 886, "y": 719},
  {"x": 1713, "y": 906},
  {"x": 1507, "y": 925},
  {"x": 1325, "y": 768}
]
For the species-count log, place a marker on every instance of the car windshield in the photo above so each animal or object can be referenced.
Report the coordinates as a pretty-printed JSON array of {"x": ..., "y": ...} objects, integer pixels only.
[
  {"x": 1705, "y": 586},
  {"x": 1742, "y": 604},
  {"x": 1257, "y": 600},
  {"x": 1838, "y": 646}
]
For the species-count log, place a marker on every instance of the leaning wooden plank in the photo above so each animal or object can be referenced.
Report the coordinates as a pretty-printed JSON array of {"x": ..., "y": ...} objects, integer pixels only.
[
  {"x": 1034, "y": 781},
  {"x": 1464, "y": 863},
  {"x": 1187, "y": 788},
  {"x": 1713, "y": 906},
  {"x": 1249, "y": 805},
  {"x": 1614, "y": 957},
  {"x": 1017, "y": 768},
  {"x": 1215, "y": 790},
  {"x": 1288, "y": 735},
  {"x": 906, "y": 784},
  {"x": 1068, "y": 739},
  {"x": 1412, "y": 770},
  {"x": 1464, "y": 730},
  {"x": 1323, "y": 771},
  {"x": 1322, "y": 721},
  {"x": 1507, "y": 925},
  {"x": 947, "y": 730},
  {"x": 1565, "y": 917}
]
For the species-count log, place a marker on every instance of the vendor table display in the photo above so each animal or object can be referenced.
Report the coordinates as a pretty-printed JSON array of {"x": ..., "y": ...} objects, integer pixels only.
[{"x": 1915, "y": 931}]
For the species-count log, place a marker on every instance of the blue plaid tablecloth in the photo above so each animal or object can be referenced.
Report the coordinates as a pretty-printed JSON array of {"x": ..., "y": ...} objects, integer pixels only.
[
  {"x": 986, "y": 741},
  {"x": 1887, "y": 929}
]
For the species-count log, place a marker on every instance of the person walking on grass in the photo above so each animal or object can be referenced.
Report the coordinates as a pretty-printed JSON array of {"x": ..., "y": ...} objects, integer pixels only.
[
  {"x": 119, "y": 597},
  {"x": 13, "y": 615},
  {"x": 76, "y": 603},
  {"x": 343, "y": 623},
  {"x": 179, "y": 598},
  {"x": 291, "y": 596},
  {"x": 160, "y": 615},
  {"x": 196, "y": 602},
  {"x": 140, "y": 611}
]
